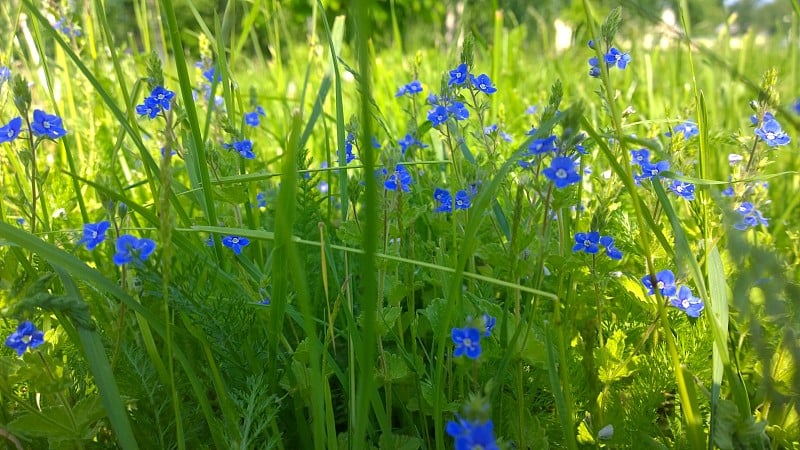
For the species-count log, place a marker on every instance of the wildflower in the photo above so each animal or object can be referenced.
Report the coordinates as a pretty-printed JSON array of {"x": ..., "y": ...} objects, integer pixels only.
[
  {"x": 129, "y": 247},
  {"x": 795, "y": 106},
  {"x": 458, "y": 110},
  {"x": 467, "y": 341},
  {"x": 253, "y": 118},
  {"x": 5, "y": 74},
  {"x": 266, "y": 302},
  {"x": 235, "y": 243},
  {"x": 462, "y": 200},
  {"x": 458, "y": 75},
  {"x": 244, "y": 147},
  {"x": 375, "y": 143},
  {"x": 261, "y": 200},
  {"x": 541, "y": 146},
  {"x": 611, "y": 251},
  {"x": 728, "y": 191},
  {"x": 587, "y": 242},
  {"x": 432, "y": 99},
  {"x": 348, "y": 148},
  {"x": 47, "y": 125},
  {"x": 472, "y": 435},
  {"x": 162, "y": 96},
  {"x": 414, "y": 87},
  {"x": 687, "y": 302},
  {"x": 488, "y": 324},
  {"x": 618, "y": 58},
  {"x": 10, "y": 131},
  {"x": 751, "y": 217},
  {"x": 594, "y": 67},
  {"x": 149, "y": 108},
  {"x": 26, "y": 336},
  {"x": 650, "y": 170},
  {"x": 482, "y": 83},
  {"x": 771, "y": 133},
  {"x": 682, "y": 189},
  {"x": 410, "y": 141},
  {"x": 63, "y": 26},
  {"x": 211, "y": 75},
  {"x": 591, "y": 44},
  {"x": 688, "y": 129},
  {"x": 735, "y": 158},
  {"x": 562, "y": 172},
  {"x": 641, "y": 156},
  {"x": 94, "y": 234},
  {"x": 665, "y": 283},
  {"x": 531, "y": 109},
  {"x": 399, "y": 180},
  {"x": 438, "y": 115},
  {"x": 445, "y": 200}
]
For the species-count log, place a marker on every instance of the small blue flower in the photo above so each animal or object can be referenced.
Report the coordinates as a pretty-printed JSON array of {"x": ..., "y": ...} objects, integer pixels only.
[
  {"x": 458, "y": 110},
  {"x": 468, "y": 341},
  {"x": 594, "y": 67},
  {"x": 47, "y": 125},
  {"x": 410, "y": 141},
  {"x": 458, "y": 75},
  {"x": 795, "y": 105},
  {"x": 400, "y": 179},
  {"x": 128, "y": 247},
  {"x": 162, "y": 96},
  {"x": 488, "y": 324},
  {"x": 751, "y": 217},
  {"x": 444, "y": 199},
  {"x": 562, "y": 172},
  {"x": 243, "y": 147},
  {"x": 650, "y": 170},
  {"x": 472, "y": 435},
  {"x": 261, "y": 200},
  {"x": 10, "y": 131},
  {"x": 687, "y": 302},
  {"x": 771, "y": 133},
  {"x": 665, "y": 283},
  {"x": 587, "y": 242},
  {"x": 617, "y": 57},
  {"x": 591, "y": 44},
  {"x": 688, "y": 128},
  {"x": 211, "y": 75},
  {"x": 682, "y": 189},
  {"x": 641, "y": 156},
  {"x": 438, "y": 115},
  {"x": 482, "y": 83},
  {"x": 94, "y": 234},
  {"x": 5, "y": 74},
  {"x": 414, "y": 87},
  {"x": 542, "y": 146},
  {"x": 462, "y": 200},
  {"x": 26, "y": 336},
  {"x": 252, "y": 118},
  {"x": 149, "y": 108},
  {"x": 235, "y": 243},
  {"x": 266, "y": 302},
  {"x": 375, "y": 143},
  {"x": 611, "y": 251}
]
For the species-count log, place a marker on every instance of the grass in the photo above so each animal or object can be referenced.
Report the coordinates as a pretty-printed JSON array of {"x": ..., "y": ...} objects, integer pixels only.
[{"x": 334, "y": 325}]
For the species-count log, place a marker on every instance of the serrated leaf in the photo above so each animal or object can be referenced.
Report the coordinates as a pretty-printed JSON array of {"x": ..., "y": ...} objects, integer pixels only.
[{"x": 56, "y": 426}]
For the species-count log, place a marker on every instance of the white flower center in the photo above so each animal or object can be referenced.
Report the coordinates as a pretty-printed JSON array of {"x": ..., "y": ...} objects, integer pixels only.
[
  {"x": 685, "y": 303},
  {"x": 561, "y": 173},
  {"x": 235, "y": 240},
  {"x": 660, "y": 285},
  {"x": 770, "y": 135},
  {"x": 467, "y": 342},
  {"x": 587, "y": 243},
  {"x": 46, "y": 124}
]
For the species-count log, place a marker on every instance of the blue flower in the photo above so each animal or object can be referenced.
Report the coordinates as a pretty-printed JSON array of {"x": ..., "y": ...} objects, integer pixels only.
[
  {"x": 410, "y": 141},
  {"x": 162, "y": 96},
  {"x": 562, "y": 172},
  {"x": 611, "y": 251},
  {"x": 771, "y": 133},
  {"x": 438, "y": 115},
  {"x": 468, "y": 341},
  {"x": 149, "y": 108},
  {"x": 235, "y": 243},
  {"x": 641, "y": 156},
  {"x": 587, "y": 242},
  {"x": 458, "y": 75},
  {"x": 488, "y": 324},
  {"x": 10, "y": 131},
  {"x": 5, "y": 74},
  {"x": 482, "y": 83},
  {"x": 650, "y": 170},
  {"x": 253, "y": 118},
  {"x": 594, "y": 67},
  {"x": 128, "y": 247},
  {"x": 26, "y": 336},
  {"x": 414, "y": 87},
  {"x": 795, "y": 106},
  {"x": 47, "y": 125},
  {"x": 617, "y": 57},
  {"x": 542, "y": 146},
  {"x": 665, "y": 283},
  {"x": 688, "y": 129},
  {"x": 462, "y": 200},
  {"x": 682, "y": 189},
  {"x": 445, "y": 200},
  {"x": 94, "y": 234},
  {"x": 472, "y": 435},
  {"x": 244, "y": 147},
  {"x": 211, "y": 75},
  {"x": 400, "y": 179},
  {"x": 687, "y": 302},
  {"x": 458, "y": 110},
  {"x": 751, "y": 217},
  {"x": 261, "y": 200}
]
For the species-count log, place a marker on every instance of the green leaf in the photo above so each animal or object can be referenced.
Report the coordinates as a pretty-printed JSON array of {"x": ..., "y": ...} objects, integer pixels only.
[
  {"x": 55, "y": 426},
  {"x": 399, "y": 442}
]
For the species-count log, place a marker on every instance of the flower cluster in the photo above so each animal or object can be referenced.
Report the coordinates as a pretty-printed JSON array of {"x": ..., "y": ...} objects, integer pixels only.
[
  {"x": 590, "y": 243},
  {"x": 160, "y": 98},
  {"x": 130, "y": 247},
  {"x": 472, "y": 434},
  {"x": 650, "y": 169},
  {"x": 244, "y": 147},
  {"x": 688, "y": 129},
  {"x": 253, "y": 118},
  {"x": 26, "y": 336},
  {"x": 440, "y": 113},
  {"x": 681, "y": 298},
  {"x": 614, "y": 57},
  {"x": 462, "y": 200},
  {"x": 751, "y": 217}
]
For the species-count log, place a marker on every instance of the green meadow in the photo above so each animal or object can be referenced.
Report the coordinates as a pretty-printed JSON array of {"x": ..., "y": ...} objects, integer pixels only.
[{"x": 397, "y": 225}]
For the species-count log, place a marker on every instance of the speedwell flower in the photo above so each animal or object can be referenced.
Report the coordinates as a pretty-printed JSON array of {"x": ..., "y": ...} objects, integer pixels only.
[
  {"x": 771, "y": 133},
  {"x": 562, "y": 172},
  {"x": 482, "y": 83},
  {"x": 10, "y": 131},
  {"x": 458, "y": 75},
  {"x": 665, "y": 283},
  {"x": 688, "y": 129},
  {"x": 438, "y": 115},
  {"x": 94, "y": 234},
  {"x": 26, "y": 336},
  {"x": 472, "y": 435},
  {"x": 468, "y": 341},
  {"x": 686, "y": 302},
  {"x": 400, "y": 179},
  {"x": 47, "y": 125},
  {"x": 587, "y": 242},
  {"x": 618, "y": 58},
  {"x": 129, "y": 247},
  {"x": 235, "y": 243}
]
